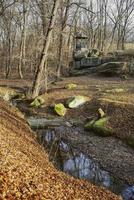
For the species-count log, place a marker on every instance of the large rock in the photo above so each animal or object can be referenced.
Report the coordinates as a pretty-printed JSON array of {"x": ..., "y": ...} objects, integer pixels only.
[
  {"x": 100, "y": 127},
  {"x": 76, "y": 72},
  {"x": 90, "y": 62},
  {"x": 129, "y": 53},
  {"x": 107, "y": 69},
  {"x": 95, "y": 53},
  {"x": 76, "y": 101},
  {"x": 78, "y": 55},
  {"x": 108, "y": 58},
  {"x": 112, "y": 68},
  {"x": 87, "y": 62},
  {"x": 60, "y": 109}
]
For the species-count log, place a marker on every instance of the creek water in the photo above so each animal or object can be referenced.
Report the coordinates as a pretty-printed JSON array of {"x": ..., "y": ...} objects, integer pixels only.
[{"x": 80, "y": 165}]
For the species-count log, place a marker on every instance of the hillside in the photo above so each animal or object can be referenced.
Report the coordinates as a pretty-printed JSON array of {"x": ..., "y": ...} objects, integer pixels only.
[{"x": 25, "y": 171}]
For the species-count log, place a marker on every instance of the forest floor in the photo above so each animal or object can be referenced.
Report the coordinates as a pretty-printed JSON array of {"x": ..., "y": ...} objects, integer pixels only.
[{"x": 114, "y": 96}]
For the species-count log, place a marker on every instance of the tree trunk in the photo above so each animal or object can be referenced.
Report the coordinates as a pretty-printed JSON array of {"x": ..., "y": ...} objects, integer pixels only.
[
  {"x": 23, "y": 39},
  {"x": 43, "y": 59},
  {"x": 63, "y": 25},
  {"x": 60, "y": 56},
  {"x": 8, "y": 67}
]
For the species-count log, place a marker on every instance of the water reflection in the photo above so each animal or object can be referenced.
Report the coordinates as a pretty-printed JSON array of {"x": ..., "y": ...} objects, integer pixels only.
[
  {"x": 82, "y": 167},
  {"x": 64, "y": 147},
  {"x": 49, "y": 136},
  {"x": 128, "y": 193}
]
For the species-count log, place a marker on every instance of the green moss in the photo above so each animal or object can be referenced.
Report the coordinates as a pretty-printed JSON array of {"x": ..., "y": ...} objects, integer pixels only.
[
  {"x": 99, "y": 127},
  {"x": 38, "y": 102},
  {"x": 60, "y": 109},
  {"x": 71, "y": 86},
  {"x": 89, "y": 125}
]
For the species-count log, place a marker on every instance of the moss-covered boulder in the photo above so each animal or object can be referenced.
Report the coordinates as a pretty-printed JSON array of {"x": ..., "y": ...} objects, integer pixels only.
[
  {"x": 37, "y": 102},
  {"x": 100, "y": 127},
  {"x": 60, "y": 109},
  {"x": 71, "y": 86},
  {"x": 89, "y": 125},
  {"x": 76, "y": 101}
]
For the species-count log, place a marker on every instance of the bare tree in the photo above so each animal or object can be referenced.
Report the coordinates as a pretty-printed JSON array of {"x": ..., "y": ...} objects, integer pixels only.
[
  {"x": 30, "y": 47},
  {"x": 63, "y": 19},
  {"x": 25, "y": 5},
  {"x": 120, "y": 17},
  {"x": 43, "y": 59}
]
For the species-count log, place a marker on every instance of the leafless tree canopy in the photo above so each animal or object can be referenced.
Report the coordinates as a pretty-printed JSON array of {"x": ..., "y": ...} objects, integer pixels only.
[{"x": 33, "y": 29}]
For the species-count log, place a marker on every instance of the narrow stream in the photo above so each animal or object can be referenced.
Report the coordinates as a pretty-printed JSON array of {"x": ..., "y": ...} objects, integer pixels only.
[{"x": 79, "y": 165}]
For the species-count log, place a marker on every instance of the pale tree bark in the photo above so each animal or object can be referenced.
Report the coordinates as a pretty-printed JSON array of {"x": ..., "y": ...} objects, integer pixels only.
[
  {"x": 70, "y": 41},
  {"x": 43, "y": 59},
  {"x": 99, "y": 29},
  {"x": 63, "y": 19},
  {"x": 91, "y": 44},
  {"x": 105, "y": 4},
  {"x": 22, "y": 56}
]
